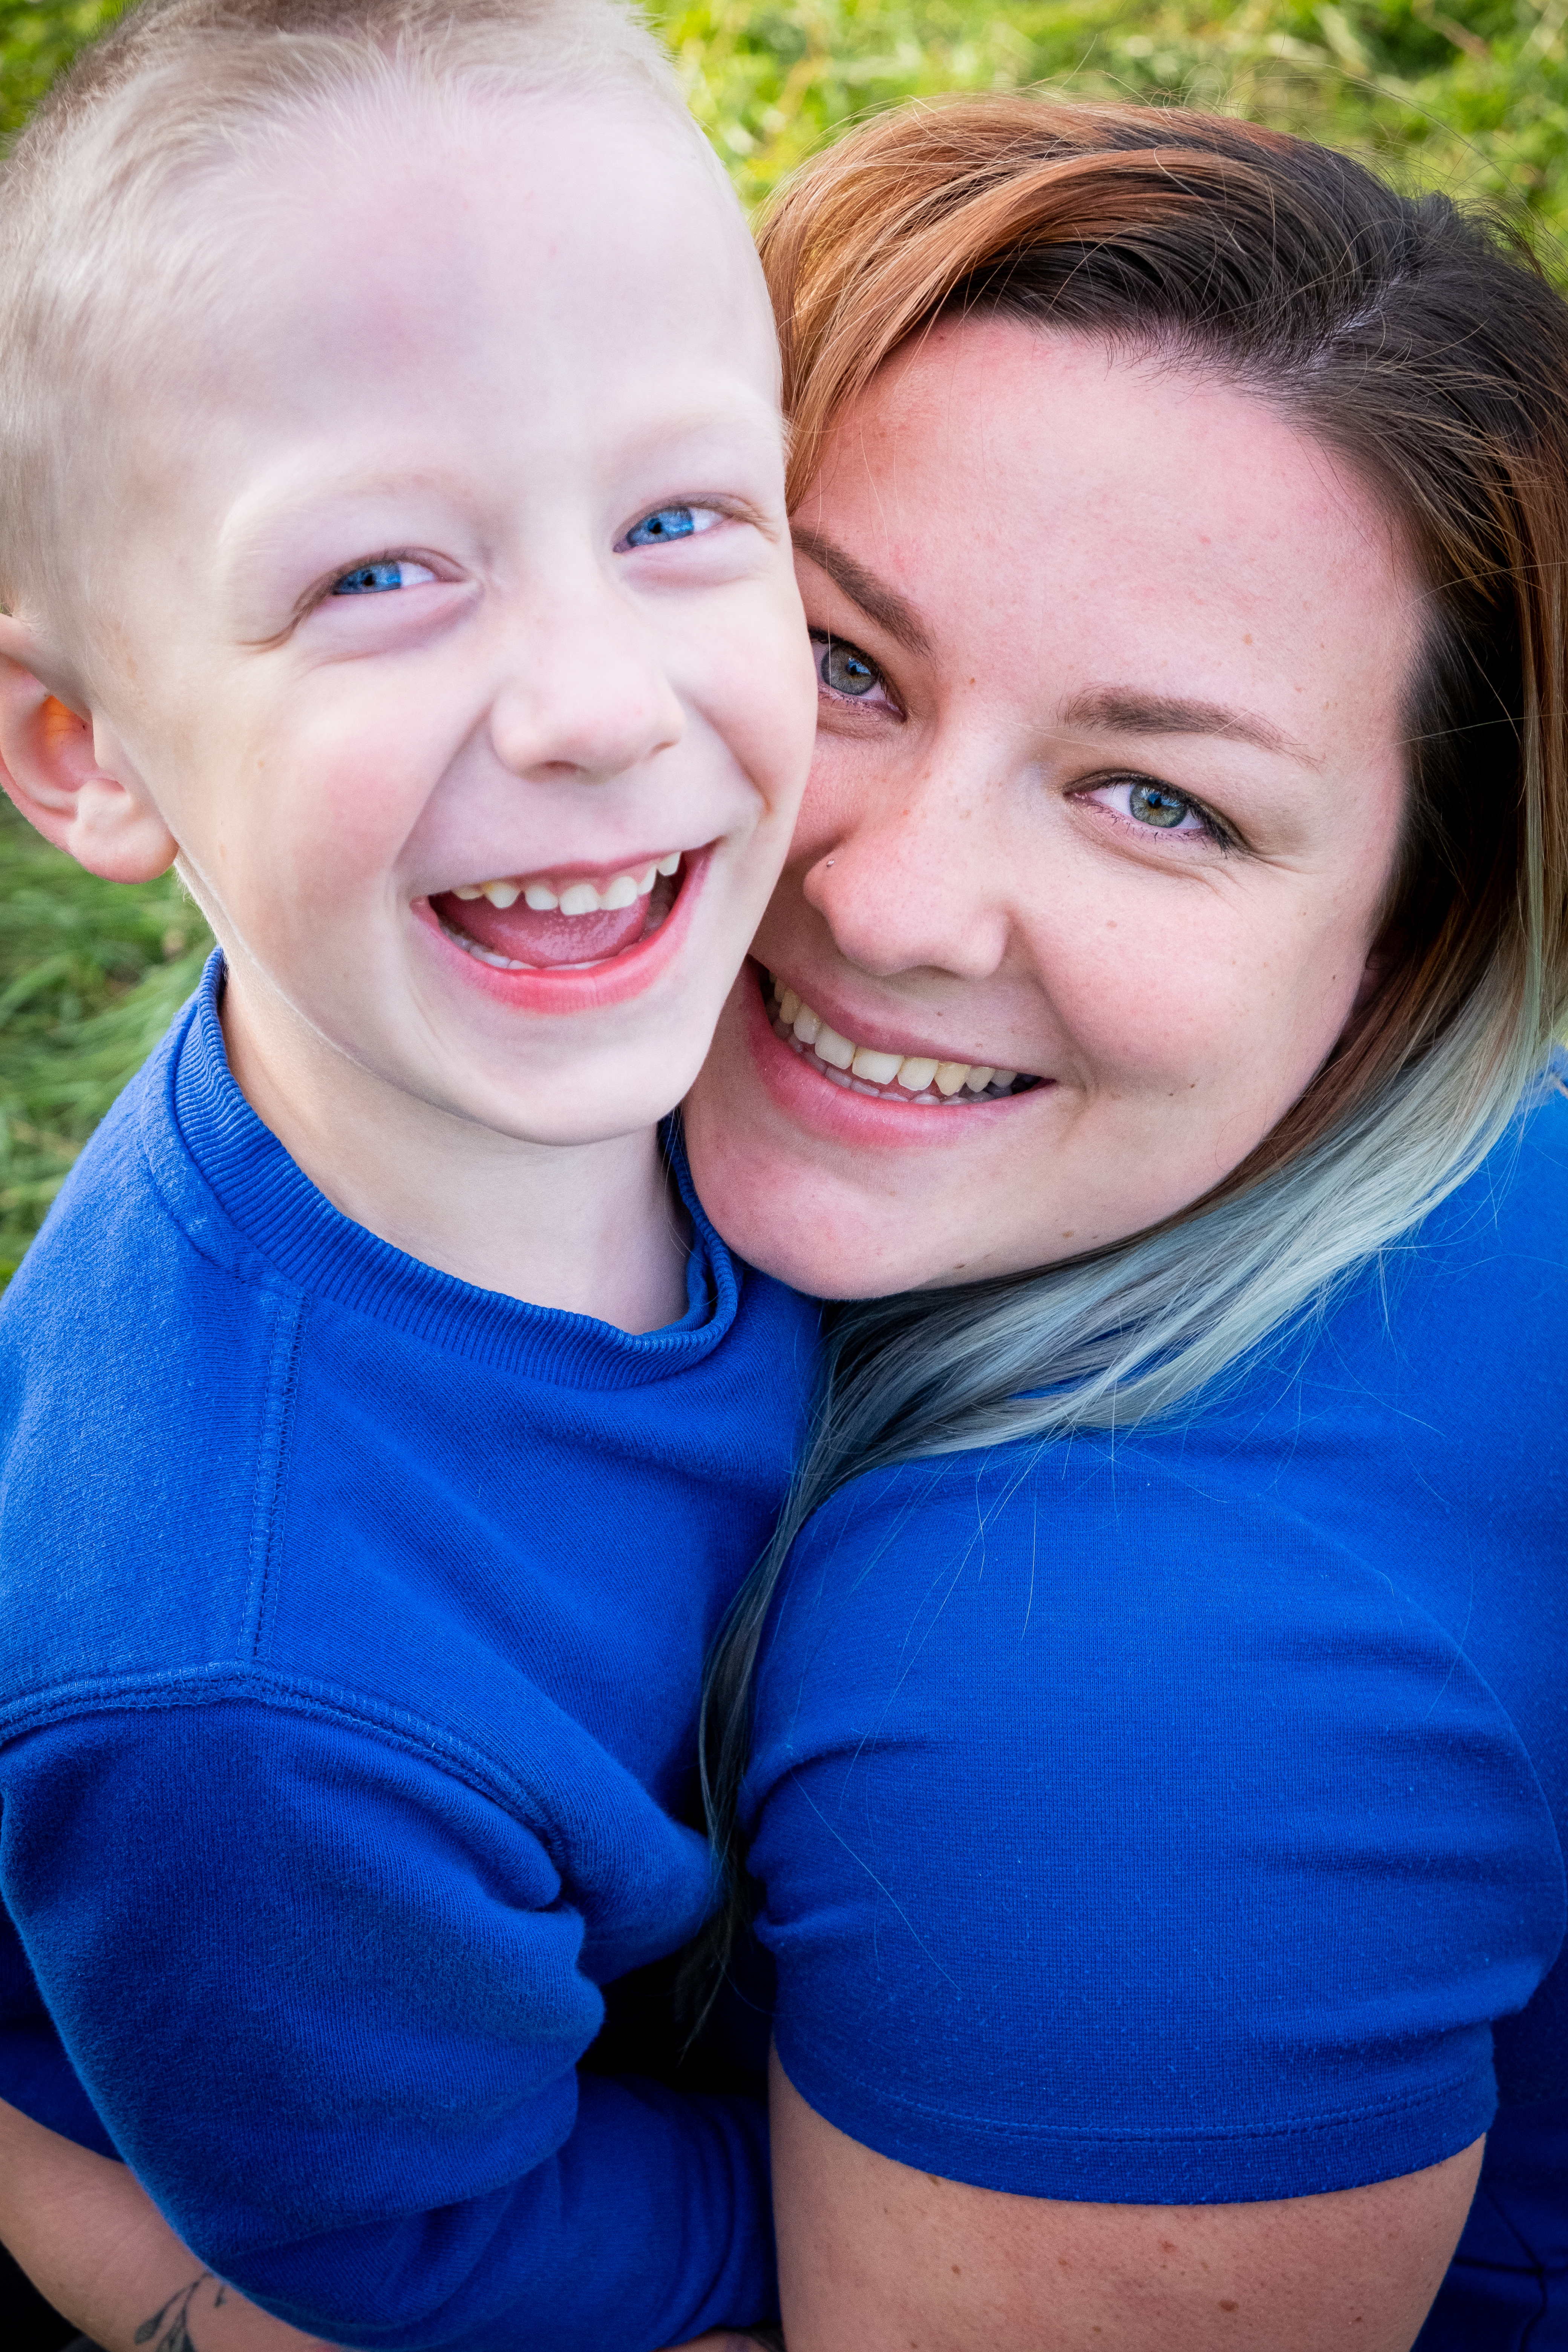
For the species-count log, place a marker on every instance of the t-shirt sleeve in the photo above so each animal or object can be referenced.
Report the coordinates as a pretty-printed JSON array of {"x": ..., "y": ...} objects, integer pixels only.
[
  {"x": 1116, "y": 1848},
  {"x": 327, "y": 2001}
]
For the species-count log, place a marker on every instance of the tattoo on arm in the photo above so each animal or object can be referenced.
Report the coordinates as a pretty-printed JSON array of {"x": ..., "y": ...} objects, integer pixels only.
[{"x": 172, "y": 2326}]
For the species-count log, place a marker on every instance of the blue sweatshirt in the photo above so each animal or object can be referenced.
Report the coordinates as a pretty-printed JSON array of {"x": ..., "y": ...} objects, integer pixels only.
[{"x": 352, "y": 1621}]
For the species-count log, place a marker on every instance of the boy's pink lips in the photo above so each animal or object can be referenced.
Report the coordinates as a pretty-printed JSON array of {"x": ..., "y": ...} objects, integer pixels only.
[
  {"x": 586, "y": 987},
  {"x": 842, "y": 1114}
]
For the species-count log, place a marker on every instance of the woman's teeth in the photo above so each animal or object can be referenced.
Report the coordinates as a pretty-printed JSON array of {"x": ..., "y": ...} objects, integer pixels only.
[
  {"x": 547, "y": 897},
  {"x": 920, "y": 1078}
]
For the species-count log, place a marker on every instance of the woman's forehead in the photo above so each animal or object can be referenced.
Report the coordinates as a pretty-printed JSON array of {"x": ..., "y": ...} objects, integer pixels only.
[
  {"x": 1071, "y": 419},
  {"x": 1049, "y": 498}
]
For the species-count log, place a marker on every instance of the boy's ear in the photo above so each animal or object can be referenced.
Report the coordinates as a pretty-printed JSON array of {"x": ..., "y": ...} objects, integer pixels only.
[{"x": 49, "y": 767}]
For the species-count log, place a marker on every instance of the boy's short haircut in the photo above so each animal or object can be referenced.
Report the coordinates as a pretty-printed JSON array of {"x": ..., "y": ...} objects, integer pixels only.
[{"x": 103, "y": 250}]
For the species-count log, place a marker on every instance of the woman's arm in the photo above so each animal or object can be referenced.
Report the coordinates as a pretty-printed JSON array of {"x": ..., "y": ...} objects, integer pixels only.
[{"x": 874, "y": 2257}]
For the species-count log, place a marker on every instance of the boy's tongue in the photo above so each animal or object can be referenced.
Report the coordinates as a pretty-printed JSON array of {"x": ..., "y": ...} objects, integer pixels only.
[{"x": 527, "y": 935}]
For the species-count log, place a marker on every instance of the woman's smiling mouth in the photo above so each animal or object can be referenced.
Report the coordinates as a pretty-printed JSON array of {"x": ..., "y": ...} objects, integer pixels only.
[{"x": 917, "y": 1079}]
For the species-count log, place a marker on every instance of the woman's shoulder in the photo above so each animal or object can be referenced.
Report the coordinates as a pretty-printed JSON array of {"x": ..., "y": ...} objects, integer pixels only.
[
  {"x": 1429, "y": 1392},
  {"x": 1111, "y": 1806},
  {"x": 1504, "y": 1234},
  {"x": 1233, "y": 1743}
]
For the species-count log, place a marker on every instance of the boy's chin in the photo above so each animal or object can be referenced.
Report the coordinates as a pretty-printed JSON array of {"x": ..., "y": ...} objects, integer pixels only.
[
  {"x": 599, "y": 1102},
  {"x": 562, "y": 1092}
]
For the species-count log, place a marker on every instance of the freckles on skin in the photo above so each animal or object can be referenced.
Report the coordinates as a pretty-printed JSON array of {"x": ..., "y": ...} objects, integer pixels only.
[{"x": 1119, "y": 570}]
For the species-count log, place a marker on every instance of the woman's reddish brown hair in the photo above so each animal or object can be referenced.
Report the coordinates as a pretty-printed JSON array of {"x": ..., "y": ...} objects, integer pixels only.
[{"x": 1419, "y": 345}]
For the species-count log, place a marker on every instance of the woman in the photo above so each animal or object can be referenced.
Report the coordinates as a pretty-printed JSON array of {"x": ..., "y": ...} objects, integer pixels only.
[
  {"x": 1159, "y": 1772},
  {"x": 1155, "y": 1736}
]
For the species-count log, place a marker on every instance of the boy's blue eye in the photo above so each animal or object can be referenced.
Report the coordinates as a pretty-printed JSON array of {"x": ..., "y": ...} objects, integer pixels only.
[
  {"x": 374, "y": 579},
  {"x": 666, "y": 522}
]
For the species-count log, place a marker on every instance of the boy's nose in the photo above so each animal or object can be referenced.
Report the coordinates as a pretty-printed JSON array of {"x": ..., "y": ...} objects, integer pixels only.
[{"x": 588, "y": 700}]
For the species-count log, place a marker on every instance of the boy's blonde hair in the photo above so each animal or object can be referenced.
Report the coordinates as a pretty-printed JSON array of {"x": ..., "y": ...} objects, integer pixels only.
[{"x": 106, "y": 245}]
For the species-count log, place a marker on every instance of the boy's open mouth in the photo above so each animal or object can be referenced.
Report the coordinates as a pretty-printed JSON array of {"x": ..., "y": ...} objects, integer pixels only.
[
  {"x": 892, "y": 1077},
  {"x": 532, "y": 922}
]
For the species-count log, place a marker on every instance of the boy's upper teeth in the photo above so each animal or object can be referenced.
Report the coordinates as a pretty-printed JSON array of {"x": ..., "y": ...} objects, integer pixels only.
[
  {"x": 546, "y": 896},
  {"x": 917, "y": 1073}
]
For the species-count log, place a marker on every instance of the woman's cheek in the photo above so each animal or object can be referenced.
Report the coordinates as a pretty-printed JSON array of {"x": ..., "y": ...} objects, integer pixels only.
[
  {"x": 1139, "y": 1011},
  {"x": 1224, "y": 992}
]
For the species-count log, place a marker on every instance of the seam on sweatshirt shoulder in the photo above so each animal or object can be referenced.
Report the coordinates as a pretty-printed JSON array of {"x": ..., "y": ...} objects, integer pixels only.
[
  {"x": 271, "y": 1497},
  {"x": 221, "y": 1683},
  {"x": 179, "y": 1182}
]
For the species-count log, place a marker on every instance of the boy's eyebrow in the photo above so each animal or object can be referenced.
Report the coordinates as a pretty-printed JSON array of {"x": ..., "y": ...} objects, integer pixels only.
[{"x": 878, "y": 602}]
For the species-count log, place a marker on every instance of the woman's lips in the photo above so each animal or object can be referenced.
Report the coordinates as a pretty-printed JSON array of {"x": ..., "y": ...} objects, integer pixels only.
[
  {"x": 857, "y": 1114},
  {"x": 913, "y": 1077}
]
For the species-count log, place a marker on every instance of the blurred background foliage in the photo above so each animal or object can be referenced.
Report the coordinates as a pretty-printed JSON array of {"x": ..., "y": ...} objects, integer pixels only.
[
  {"x": 1475, "y": 101},
  {"x": 1472, "y": 98},
  {"x": 91, "y": 975}
]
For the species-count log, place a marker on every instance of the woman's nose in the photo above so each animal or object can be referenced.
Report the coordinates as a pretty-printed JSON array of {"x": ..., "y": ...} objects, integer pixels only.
[
  {"x": 586, "y": 693},
  {"x": 912, "y": 880}
]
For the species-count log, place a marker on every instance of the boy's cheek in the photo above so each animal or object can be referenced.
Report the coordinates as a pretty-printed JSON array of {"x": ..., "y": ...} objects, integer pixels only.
[
  {"x": 762, "y": 702},
  {"x": 332, "y": 802}
]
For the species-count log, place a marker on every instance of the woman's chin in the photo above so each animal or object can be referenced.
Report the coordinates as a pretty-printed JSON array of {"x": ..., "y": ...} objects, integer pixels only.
[
  {"x": 785, "y": 1219},
  {"x": 844, "y": 1197},
  {"x": 835, "y": 1224}
]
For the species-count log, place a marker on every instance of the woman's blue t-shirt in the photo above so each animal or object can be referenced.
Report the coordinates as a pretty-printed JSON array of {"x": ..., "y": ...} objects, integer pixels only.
[{"x": 1178, "y": 1815}]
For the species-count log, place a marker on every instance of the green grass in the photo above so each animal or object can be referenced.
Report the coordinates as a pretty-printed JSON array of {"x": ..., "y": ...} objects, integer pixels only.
[
  {"x": 90, "y": 973},
  {"x": 1472, "y": 97}
]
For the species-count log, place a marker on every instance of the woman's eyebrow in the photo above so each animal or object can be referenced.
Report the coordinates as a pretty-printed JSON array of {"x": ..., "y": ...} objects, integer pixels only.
[
  {"x": 1133, "y": 713},
  {"x": 880, "y": 604}
]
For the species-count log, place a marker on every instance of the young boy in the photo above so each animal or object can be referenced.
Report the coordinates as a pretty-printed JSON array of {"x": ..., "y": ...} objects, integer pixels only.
[{"x": 393, "y": 534}]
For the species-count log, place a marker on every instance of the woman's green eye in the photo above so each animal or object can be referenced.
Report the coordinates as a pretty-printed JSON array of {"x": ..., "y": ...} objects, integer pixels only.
[
  {"x": 845, "y": 670},
  {"x": 1157, "y": 806},
  {"x": 1153, "y": 804}
]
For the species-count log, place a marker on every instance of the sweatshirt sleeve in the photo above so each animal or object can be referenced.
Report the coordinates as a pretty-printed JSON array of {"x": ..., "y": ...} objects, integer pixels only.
[{"x": 327, "y": 2001}]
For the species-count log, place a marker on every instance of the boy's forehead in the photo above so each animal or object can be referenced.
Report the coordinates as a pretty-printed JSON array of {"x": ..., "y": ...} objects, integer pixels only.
[
  {"x": 543, "y": 216},
  {"x": 446, "y": 294}
]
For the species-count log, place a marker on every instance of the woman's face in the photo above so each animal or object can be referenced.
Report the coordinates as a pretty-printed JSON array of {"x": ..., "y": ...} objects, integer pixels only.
[{"x": 1107, "y": 789}]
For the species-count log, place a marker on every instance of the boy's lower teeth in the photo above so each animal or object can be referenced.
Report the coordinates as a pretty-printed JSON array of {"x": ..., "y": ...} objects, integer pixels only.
[
  {"x": 943, "y": 1086},
  {"x": 520, "y": 938}
]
